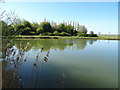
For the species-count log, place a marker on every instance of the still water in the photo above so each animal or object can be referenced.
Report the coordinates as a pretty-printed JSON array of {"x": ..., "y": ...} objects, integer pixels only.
[{"x": 62, "y": 63}]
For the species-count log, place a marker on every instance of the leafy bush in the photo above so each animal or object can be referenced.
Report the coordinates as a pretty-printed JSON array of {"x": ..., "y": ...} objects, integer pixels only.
[
  {"x": 64, "y": 34},
  {"x": 26, "y": 23},
  {"x": 92, "y": 35},
  {"x": 61, "y": 27},
  {"x": 7, "y": 30},
  {"x": 32, "y": 33},
  {"x": 42, "y": 34},
  {"x": 82, "y": 29},
  {"x": 49, "y": 34},
  {"x": 39, "y": 30},
  {"x": 56, "y": 33},
  {"x": 69, "y": 29},
  {"x": 91, "y": 32},
  {"x": 81, "y": 34},
  {"x": 46, "y": 27},
  {"x": 26, "y": 31}
]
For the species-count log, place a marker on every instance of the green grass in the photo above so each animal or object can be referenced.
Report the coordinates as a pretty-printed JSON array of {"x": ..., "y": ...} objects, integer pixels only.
[
  {"x": 109, "y": 37},
  {"x": 101, "y": 37}
]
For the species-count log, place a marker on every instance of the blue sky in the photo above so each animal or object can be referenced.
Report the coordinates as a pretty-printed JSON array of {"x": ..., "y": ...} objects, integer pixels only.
[{"x": 96, "y": 16}]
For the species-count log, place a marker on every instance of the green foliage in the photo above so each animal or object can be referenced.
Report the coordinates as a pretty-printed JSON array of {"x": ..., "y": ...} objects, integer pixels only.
[
  {"x": 43, "y": 34},
  {"x": 81, "y": 34},
  {"x": 64, "y": 34},
  {"x": 18, "y": 28},
  {"x": 62, "y": 28},
  {"x": 92, "y": 35},
  {"x": 91, "y": 32},
  {"x": 35, "y": 26},
  {"x": 82, "y": 29},
  {"x": 49, "y": 34},
  {"x": 46, "y": 34},
  {"x": 26, "y": 24},
  {"x": 45, "y": 26},
  {"x": 60, "y": 44},
  {"x": 40, "y": 30},
  {"x": 7, "y": 30},
  {"x": 32, "y": 33},
  {"x": 55, "y": 28},
  {"x": 69, "y": 29},
  {"x": 75, "y": 33},
  {"x": 56, "y": 33},
  {"x": 26, "y": 31}
]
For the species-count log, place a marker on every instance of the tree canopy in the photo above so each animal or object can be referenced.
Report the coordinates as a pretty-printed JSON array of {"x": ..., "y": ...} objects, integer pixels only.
[
  {"x": 15, "y": 26},
  {"x": 45, "y": 26}
]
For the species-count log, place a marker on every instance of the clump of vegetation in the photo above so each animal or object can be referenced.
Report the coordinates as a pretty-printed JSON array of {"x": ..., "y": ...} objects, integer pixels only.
[
  {"x": 12, "y": 25},
  {"x": 56, "y": 33},
  {"x": 44, "y": 28}
]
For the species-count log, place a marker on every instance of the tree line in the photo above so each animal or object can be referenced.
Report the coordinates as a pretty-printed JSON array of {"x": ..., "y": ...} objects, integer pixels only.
[{"x": 15, "y": 26}]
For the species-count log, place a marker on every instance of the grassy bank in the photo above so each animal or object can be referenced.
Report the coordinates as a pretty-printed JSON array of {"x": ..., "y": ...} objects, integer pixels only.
[
  {"x": 109, "y": 37},
  {"x": 100, "y": 37}
]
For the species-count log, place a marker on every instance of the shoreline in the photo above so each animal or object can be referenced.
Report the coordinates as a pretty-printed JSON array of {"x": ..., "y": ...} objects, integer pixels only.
[{"x": 63, "y": 37}]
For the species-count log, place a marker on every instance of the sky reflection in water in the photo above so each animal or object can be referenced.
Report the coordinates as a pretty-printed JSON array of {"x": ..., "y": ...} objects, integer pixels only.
[{"x": 72, "y": 63}]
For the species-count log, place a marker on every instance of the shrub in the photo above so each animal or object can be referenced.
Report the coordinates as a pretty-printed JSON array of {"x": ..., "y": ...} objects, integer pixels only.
[
  {"x": 64, "y": 34},
  {"x": 46, "y": 27},
  {"x": 32, "y": 33},
  {"x": 92, "y": 35},
  {"x": 91, "y": 32},
  {"x": 56, "y": 33},
  {"x": 49, "y": 34},
  {"x": 39, "y": 30},
  {"x": 82, "y": 29},
  {"x": 81, "y": 34},
  {"x": 42, "y": 34},
  {"x": 26, "y": 31}
]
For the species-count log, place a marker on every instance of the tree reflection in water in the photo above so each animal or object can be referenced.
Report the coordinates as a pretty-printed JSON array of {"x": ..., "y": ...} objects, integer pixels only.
[
  {"x": 60, "y": 44},
  {"x": 15, "y": 59}
]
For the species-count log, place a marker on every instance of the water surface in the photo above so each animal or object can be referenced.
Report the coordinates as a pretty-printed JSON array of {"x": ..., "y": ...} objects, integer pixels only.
[{"x": 71, "y": 63}]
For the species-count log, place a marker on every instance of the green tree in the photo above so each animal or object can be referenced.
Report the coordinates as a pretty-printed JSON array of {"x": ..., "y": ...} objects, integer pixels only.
[
  {"x": 45, "y": 26},
  {"x": 26, "y": 23},
  {"x": 7, "y": 30},
  {"x": 69, "y": 29},
  {"x": 54, "y": 27},
  {"x": 35, "y": 26},
  {"x": 81, "y": 34},
  {"x": 8, "y": 20},
  {"x": 62, "y": 28},
  {"x": 26, "y": 31},
  {"x": 91, "y": 32},
  {"x": 82, "y": 29},
  {"x": 40, "y": 30},
  {"x": 64, "y": 34},
  {"x": 18, "y": 28},
  {"x": 49, "y": 34}
]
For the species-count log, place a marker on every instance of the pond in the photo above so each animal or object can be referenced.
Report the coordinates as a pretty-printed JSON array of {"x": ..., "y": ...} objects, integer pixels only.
[{"x": 61, "y": 63}]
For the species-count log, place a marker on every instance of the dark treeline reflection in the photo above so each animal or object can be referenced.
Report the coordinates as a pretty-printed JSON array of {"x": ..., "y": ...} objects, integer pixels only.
[
  {"x": 60, "y": 44},
  {"x": 19, "y": 69},
  {"x": 58, "y": 63}
]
